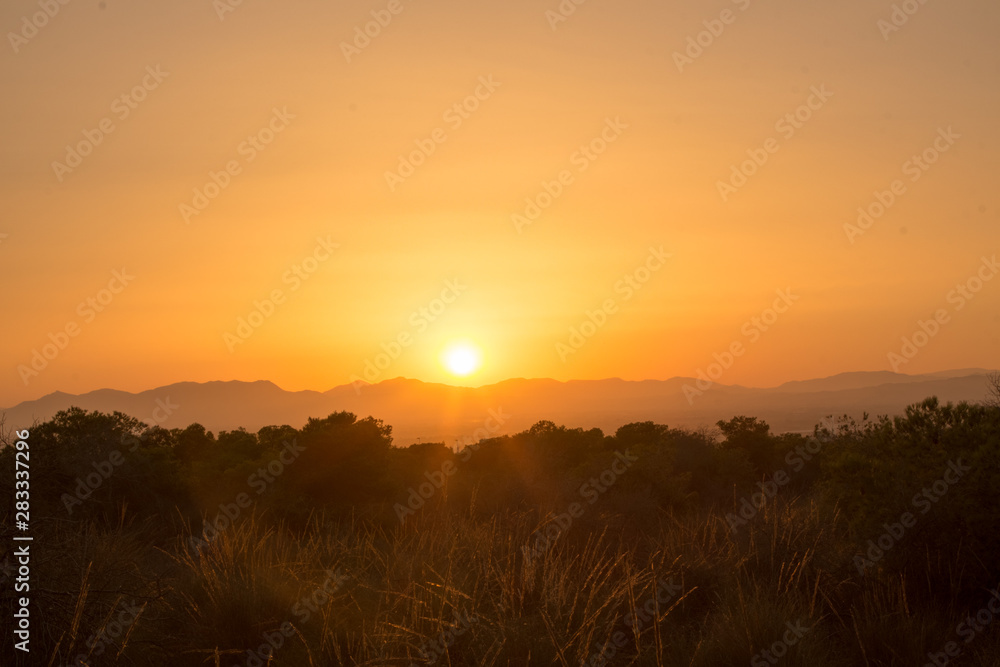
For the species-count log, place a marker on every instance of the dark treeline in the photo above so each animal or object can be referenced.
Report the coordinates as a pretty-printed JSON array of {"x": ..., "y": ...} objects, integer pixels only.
[{"x": 902, "y": 507}]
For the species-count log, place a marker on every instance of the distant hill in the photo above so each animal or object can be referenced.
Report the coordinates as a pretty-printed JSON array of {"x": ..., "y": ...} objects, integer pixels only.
[{"x": 438, "y": 412}]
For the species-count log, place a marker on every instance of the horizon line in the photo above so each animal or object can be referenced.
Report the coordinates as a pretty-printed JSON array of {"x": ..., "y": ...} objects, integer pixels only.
[{"x": 971, "y": 371}]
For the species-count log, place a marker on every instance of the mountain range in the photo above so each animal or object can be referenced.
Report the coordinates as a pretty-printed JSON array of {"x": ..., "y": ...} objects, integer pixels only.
[{"x": 428, "y": 412}]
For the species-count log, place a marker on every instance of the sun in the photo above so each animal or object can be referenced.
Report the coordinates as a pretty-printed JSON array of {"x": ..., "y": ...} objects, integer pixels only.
[{"x": 462, "y": 358}]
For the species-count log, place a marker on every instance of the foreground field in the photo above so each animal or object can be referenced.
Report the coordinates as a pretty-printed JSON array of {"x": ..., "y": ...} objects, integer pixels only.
[{"x": 867, "y": 544}]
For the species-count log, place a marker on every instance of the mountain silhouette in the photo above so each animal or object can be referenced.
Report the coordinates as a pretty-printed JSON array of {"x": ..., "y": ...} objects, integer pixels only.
[{"x": 422, "y": 411}]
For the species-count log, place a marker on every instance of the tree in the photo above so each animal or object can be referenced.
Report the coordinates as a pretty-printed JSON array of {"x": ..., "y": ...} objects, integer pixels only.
[
  {"x": 993, "y": 389},
  {"x": 92, "y": 465},
  {"x": 344, "y": 461},
  {"x": 751, "y": 435},
  {"x": 193, "y": 443}
]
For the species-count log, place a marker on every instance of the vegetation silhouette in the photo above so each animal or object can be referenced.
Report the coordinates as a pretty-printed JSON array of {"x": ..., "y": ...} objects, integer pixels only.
[{"x": 327, "y": 545}]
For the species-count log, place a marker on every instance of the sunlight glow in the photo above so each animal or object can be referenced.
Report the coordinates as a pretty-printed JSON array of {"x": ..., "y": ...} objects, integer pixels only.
[{"x": 462, "y": 358}]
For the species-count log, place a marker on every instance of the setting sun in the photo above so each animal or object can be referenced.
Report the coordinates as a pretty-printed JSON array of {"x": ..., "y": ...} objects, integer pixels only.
[
  {"x": 462, "y": 358},
  {"x": 533, "y": 332}
]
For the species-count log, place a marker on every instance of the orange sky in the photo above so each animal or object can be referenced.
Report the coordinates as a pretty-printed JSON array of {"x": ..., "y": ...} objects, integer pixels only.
[{"x": 604, "y": 109}]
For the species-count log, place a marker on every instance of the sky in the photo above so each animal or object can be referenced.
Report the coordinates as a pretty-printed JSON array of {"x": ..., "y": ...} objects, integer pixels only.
[{"x": 201, "y": 190}]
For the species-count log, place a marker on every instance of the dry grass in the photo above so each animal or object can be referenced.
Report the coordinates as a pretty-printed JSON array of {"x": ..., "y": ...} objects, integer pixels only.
[{"x": 465, "y": 579}]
